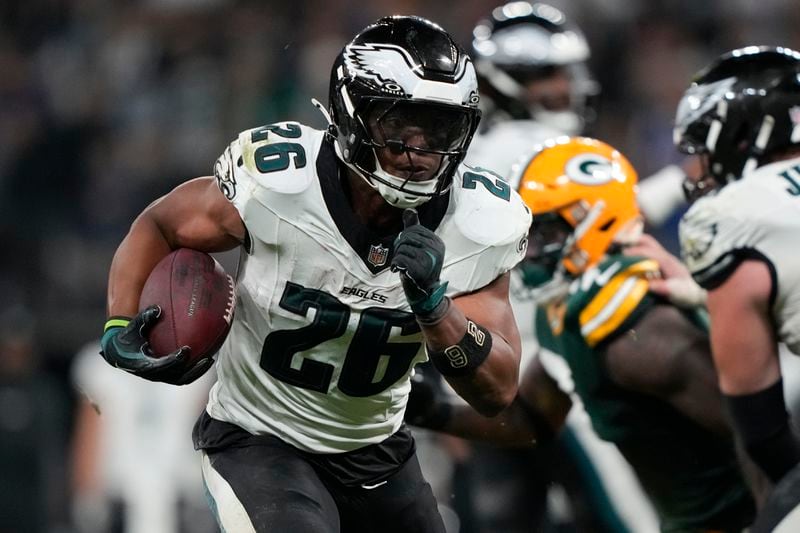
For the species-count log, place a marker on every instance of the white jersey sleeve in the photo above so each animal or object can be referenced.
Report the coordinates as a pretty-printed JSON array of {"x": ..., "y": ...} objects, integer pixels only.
[
  {"x": 490, "y": 221},
  {"x": 757, "y": 217},
  {"x": 261, "y": 166},
  {"x": 661, "y": 194}
]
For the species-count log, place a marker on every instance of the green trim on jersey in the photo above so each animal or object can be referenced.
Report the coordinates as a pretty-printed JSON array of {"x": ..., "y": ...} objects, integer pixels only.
[{"x": 691, "y": 475}]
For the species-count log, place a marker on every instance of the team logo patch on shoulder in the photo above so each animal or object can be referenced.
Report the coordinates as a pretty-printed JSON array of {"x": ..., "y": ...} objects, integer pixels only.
[
  {"x": 223, "y": 171},
  {"x": 378, "y": 255},
  {"x": 697, "y": 242}
]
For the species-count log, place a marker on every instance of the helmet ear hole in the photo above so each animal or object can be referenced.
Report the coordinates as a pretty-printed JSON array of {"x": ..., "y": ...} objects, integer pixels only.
[
  {"x": 403, "y": 74},
  {"x": 608, "y": 224}
]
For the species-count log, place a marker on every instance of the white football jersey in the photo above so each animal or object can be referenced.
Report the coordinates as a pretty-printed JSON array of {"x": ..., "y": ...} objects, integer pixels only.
[
  {"x": 757, "y": 217},
  {"x": 323, "y": 341},
  {"x": 506, "y": 146}
]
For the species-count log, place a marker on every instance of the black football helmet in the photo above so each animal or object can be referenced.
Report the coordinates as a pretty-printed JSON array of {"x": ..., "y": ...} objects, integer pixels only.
[
  {"x": 402, "y": 72},
  {"x": 738, "y": 111},
  {"x": 521, "y": 42}
]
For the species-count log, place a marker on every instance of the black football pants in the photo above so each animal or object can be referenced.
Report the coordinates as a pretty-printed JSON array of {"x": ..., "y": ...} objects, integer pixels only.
[{"x": 273, "y": 488}]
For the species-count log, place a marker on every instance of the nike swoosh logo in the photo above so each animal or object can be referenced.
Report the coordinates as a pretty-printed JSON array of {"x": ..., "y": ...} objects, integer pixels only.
[
  {"x": 607, "y": 274},
  {"x": 375, "y": 486}
]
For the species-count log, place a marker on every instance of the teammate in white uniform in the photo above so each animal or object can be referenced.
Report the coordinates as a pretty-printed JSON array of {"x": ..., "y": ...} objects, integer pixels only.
[
  {"x": 534, "y": 82},
  {"x": 132, "y": 460},
  {"x": 367, "y": 249},
  {"x": 741, "y": 119}
]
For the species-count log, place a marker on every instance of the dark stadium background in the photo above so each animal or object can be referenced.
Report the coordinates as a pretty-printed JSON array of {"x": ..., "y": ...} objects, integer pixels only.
[{"x": 106, "y": 104}]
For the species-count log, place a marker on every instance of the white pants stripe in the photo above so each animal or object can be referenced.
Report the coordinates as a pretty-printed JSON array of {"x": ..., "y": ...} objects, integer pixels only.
[
  {"x": 230, "y": 512},
  {"x": 790, "y": 523}
]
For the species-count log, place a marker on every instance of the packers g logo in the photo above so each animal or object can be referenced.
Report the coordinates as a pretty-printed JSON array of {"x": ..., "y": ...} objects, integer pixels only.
[{"x": 591, "y": 169}]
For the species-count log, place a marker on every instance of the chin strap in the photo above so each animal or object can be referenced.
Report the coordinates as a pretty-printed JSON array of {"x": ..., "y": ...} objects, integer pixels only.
[
  {"x": 571, "y": 250},
  {"x": 333, "y": 130},
  {"x": 631, "y": 232}
]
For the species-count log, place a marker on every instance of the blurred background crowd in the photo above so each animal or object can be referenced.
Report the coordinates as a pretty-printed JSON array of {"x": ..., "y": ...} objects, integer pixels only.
[{"x": 106, "y": 104}]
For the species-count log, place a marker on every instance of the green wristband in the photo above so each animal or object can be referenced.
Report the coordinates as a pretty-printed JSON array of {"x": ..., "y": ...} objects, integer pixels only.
[{"x": 116, "y": 322}]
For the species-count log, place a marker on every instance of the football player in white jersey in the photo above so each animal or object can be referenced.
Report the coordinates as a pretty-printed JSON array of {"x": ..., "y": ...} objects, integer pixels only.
[
  {"x": 741, "y": 119},
  {"x": 367, "y": 248},
  {"x": 535, "y": 83}
]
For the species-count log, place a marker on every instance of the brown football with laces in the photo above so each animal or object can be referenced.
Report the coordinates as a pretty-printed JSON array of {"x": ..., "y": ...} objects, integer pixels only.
[{"x": 197, "y": 299}]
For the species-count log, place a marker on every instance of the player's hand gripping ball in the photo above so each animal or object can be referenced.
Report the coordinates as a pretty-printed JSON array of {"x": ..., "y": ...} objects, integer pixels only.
[{"x": 186, "y": 310}]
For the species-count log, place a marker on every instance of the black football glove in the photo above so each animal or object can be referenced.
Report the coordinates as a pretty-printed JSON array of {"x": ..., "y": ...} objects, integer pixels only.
[
  {"x": 427, "y": 405},
  {"x": 124, "y": 345},
  {"x": 418, "y": 256}
]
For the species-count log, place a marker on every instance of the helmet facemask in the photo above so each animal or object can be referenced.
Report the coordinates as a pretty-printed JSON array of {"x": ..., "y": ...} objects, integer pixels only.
[
  {"x": 522, "y": 92},
  {"x": 701, "y": 120},
  {"x": 697, "y": 185},
  {"x": 549, "y": 233},
  {"x": 431, "y": 138}
]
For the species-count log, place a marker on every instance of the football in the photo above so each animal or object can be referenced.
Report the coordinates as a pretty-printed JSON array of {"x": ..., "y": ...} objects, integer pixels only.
[{"x": 196, "y": 297}]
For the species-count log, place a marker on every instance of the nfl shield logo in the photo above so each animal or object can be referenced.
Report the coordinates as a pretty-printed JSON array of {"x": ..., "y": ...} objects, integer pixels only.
[{"x": 378, "y": 255}]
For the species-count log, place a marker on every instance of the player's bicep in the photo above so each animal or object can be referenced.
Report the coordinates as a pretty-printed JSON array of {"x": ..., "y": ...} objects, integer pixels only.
[
  {"x": 666, "y": 356},
  {"x": 743, "y": 338},
  {"x": 197, "y": 215},
  {"x": 541, "y": 392},
  {"x": 648, "y": 356}
]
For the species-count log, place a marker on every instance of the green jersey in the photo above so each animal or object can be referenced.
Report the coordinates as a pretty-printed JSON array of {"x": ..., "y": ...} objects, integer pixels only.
[{"x": 691, "y": 474}]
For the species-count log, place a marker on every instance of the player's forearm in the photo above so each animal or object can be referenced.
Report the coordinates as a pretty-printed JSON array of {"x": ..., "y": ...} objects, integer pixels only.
[
  {"x": 521, "y": 424},
  {"x": 509, "y": 428},
  {"x": 137, "y": 255},
  {"x": 480, "y": 365},
  {"x": 702, "y": 402},
  {"x": 762, "y": 421},
  {"x": 492, "y": 386}
]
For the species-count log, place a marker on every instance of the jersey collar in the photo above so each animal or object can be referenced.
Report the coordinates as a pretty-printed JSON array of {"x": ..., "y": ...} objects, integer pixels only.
[{"x": 375, "y": 250}]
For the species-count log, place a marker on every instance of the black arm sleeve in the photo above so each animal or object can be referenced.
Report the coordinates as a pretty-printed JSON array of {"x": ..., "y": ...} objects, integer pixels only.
[{"x": 763, "y": 423}]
